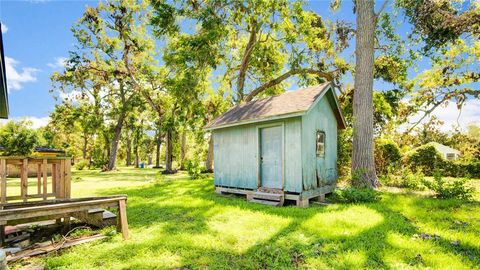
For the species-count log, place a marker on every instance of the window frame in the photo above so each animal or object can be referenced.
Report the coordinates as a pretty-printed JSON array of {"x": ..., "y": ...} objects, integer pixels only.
[{"x": 317, "y": 143}]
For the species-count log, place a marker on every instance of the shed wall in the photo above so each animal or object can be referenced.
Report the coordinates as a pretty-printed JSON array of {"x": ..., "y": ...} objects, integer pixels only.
[
  {"x": 320, "y": 117},
  {"x": 236, "y": 155}
]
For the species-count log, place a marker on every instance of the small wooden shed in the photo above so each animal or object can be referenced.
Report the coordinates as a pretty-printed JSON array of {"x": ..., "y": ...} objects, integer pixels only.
[{"x": 279, "y": 148}]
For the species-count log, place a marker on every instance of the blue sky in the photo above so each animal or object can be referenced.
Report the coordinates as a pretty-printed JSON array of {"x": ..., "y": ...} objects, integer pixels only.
[{"x": 37, "y": 38}]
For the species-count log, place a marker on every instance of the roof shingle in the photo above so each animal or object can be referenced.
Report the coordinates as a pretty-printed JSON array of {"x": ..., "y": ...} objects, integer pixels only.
[{"x": 290, "y": 102}]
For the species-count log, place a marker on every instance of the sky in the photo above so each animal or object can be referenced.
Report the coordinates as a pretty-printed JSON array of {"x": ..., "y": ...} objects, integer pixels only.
[{"x": 37, "y": 38}]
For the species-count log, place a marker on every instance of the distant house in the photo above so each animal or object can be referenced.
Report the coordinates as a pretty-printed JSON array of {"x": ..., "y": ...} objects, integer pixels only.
[
  {"x": 279, "y": 148},
  {"x": 447, "y": 152}
]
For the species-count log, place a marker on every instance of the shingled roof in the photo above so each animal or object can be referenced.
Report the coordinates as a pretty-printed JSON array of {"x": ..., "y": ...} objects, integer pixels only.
[{"x": 288, "y": 104}]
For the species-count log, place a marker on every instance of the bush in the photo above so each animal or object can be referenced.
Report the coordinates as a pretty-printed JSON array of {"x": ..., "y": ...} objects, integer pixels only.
[
  {"x": 18, "y": 138},
  {"x": 425, "y": 158},
  {"x": 82, "y": 164},
  {"x": 355, "y": 195},
  {"x": 407, "y": 179},
  {"x": 194, "y": 168},
  {"x": 387, "y": 156},
  {"x": 455, "y": 189}
]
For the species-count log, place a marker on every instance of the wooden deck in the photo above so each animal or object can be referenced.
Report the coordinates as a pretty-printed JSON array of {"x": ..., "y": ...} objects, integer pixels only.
[{"x": 51, "y": 197}]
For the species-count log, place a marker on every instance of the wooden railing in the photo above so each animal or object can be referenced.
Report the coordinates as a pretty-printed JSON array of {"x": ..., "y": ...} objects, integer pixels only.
[{"x": 53, "y": 171}]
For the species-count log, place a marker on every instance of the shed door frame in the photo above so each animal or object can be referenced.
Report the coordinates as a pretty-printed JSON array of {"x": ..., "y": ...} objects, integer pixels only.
[{"x": 259, "y": 151}]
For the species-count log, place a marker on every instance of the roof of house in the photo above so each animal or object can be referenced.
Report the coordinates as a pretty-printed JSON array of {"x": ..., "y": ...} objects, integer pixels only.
[
  {"x": 3, "y": 82},
  {"x": 288, "y": 104},
  {"x": 444, "y": 149},
  {"x": 47, "y": 149}
]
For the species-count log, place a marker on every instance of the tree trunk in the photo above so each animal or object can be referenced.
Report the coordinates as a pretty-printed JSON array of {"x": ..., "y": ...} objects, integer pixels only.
[
  {"x": 209, "y": 161},
  {"x": 137, "y": 157},
  {"x": 157, "y": 154},
  {"x": 168, "y": 153},
  {"x": 363, "y": 163},
  {"x": 116, "y": 138},
  {"x": 129, "y": 151},
  {"x": 85, "y": 145},
  {"x": 183, "y": 149}
]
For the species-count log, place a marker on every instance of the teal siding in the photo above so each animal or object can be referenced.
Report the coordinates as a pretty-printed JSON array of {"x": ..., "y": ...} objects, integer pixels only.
[
  {"x": 235, "y": 156},
  {"x": 236, "y": 152},
  {"x": 293, "y": 153},
  {"x": 320, "y": 117}
]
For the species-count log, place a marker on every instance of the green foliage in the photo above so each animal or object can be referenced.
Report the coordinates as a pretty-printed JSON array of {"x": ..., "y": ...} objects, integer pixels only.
[
  {"x": 425, "y": 158},
  {"x": 194, "y": 168},
  {"x": 82, "y": 164},
  {"x": 454, "y": 189},
  {"x": 407, "y": 179},
  {"x": 387, "y": 156},
  {"x": 18, "y": 138},
  {"x": 355, "y": 195}
]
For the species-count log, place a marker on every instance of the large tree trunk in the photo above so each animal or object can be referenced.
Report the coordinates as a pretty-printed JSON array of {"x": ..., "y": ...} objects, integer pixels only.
[
  {"x": 116, "y": 138},
  {"x": 183, "y": 149},
  {"x": 168, "y": 153},
  {"x": 129, "y": 151},
  {"x": 209, "y": 161},
  {"x": 363, "y": 163}
]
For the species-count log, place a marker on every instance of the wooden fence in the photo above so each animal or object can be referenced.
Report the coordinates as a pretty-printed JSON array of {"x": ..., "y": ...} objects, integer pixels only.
[{"x": 59, "y": 179}]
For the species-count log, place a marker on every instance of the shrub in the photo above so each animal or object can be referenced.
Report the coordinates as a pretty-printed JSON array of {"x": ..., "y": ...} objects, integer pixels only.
[
  {"x": 449, "y": 189},
  {"x": 407, "y": 179},
  {"x": 387, "y": 156},
  {"x": 426, "y": 158},
  {"x": 18, "y": 138},
  {"x": 194, "y": 168},
  {"x": 82, "y": 164},
  {"x": 355, "y": 195}
]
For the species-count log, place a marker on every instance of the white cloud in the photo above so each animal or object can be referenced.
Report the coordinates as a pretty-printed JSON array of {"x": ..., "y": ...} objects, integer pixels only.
[
  {"x": 15, "y": 78},
  {"x": 453, "y": 117},
  {"x": 37, "y": 122},
  {"x": 4, "y": 28},
  {"x": 58, "y": 63},
  {"x": 70, "y": 95}
]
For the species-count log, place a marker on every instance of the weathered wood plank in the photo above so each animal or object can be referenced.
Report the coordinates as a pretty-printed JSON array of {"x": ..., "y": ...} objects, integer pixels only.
[
  {"x": 3, "y": 179},
  {"x": 45, "y": 178},
  {"x": 54, "y": 178},
  {"x": 68, "y": 177},
  {"x": 61, "y": 190},
  {"x": 24, "y": 180},
  {"x": 122, "y": 218},
  {"x": 39, "y": 178}
]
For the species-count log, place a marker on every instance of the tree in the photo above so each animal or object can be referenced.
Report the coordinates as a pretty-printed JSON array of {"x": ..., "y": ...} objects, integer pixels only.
[
  {"x": 112, "y": 54},
  {"x": 18, "y": 138}
]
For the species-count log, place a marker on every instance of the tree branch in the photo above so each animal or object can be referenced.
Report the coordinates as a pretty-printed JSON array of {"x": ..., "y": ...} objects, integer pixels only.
[
  {"x": 380, "y": 10},
  {"x": 327, "y": 75},
  {"x": 245, "y": 59}
]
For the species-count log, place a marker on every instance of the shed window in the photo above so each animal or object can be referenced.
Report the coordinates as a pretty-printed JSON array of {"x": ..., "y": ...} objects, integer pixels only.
[{"x": 320, "y": 143}]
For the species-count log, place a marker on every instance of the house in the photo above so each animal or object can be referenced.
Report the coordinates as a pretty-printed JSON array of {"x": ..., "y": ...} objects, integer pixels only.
[
  {"x": 447, "y": 152},
  {"x": 279, "y": 148}
]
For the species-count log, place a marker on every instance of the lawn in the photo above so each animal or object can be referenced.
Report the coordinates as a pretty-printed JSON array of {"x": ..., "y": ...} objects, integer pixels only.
[{"x": 178, "y": 223}]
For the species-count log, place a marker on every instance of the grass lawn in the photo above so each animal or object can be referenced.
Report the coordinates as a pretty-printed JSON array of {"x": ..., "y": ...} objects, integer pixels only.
[{"x": 177, "y": 223}]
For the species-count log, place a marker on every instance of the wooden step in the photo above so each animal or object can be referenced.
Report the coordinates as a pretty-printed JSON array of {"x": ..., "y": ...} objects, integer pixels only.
[
  {"x": 267, "y": 196},
  {"x": 271, "y": 203}
]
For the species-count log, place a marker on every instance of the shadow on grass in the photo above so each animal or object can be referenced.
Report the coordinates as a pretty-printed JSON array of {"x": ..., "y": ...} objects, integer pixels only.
[{"x": 178, "y": 214}]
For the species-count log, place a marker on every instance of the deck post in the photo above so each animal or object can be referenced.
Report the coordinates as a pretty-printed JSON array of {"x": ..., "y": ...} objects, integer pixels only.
[
  {"x": 24, "y": 179},
  {"x": 45, "y": 178},
  {"x": 62, "y": 179},
  {"x": 3, "y": 177},
  {"x": 2, "y": 235},
  {"x": 39, "y": 178},
  {"x": 122, "y": 223},
  {"x": 68, "y": 178}
]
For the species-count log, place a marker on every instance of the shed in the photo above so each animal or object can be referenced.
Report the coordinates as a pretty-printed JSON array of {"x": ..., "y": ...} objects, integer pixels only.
[{"x": 279, "y": 148}]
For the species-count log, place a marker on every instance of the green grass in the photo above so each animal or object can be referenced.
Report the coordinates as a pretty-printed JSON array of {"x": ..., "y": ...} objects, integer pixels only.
[{"x": 178, "y": 223}]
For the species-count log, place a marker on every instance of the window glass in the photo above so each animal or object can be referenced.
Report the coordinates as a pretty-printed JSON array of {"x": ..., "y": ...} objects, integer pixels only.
[{"x": 320, "y": 143}]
